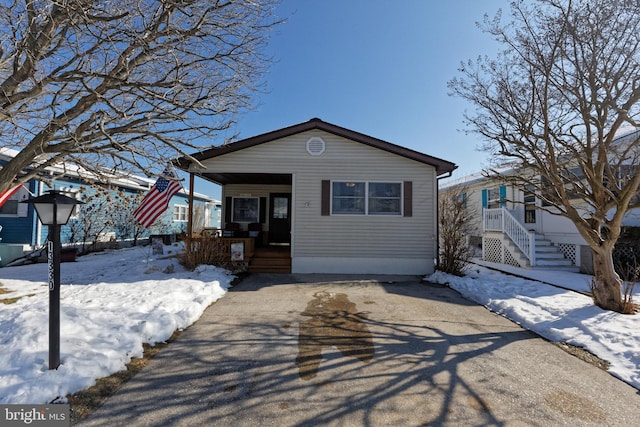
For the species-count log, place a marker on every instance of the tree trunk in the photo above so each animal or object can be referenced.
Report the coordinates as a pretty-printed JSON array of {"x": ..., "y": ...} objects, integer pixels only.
[{"x": 607, "y": 286}]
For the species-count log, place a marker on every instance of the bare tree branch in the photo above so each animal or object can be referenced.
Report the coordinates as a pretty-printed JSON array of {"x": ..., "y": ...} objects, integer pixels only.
[
  {"x": 554, "y": 103},
  {"x": 124, "y": 84}
]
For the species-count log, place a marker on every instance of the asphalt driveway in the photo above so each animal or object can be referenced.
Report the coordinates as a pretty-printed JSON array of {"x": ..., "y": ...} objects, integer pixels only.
[{"x": 312, "y": 350}]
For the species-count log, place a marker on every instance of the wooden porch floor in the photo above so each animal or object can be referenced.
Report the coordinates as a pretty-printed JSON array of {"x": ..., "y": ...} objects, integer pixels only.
[{"x": 271, "y": 259}]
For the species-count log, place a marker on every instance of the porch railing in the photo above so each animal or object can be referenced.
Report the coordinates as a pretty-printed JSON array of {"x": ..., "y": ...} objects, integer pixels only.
[{"x": 501, "y": 220}]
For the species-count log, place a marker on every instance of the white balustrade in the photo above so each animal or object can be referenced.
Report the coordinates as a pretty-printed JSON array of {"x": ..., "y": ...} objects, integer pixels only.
[{"x": 501, "y": 220}]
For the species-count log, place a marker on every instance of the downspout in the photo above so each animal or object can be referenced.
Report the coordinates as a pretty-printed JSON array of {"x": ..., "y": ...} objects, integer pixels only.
[{"x": 448, "y": 175}]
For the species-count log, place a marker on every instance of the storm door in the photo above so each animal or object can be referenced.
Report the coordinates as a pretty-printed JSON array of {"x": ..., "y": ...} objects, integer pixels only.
[{"x": 280, "y": 218}]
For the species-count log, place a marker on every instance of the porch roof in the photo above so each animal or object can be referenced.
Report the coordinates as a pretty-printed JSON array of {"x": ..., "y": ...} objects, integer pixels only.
[
  {"x": 247, "y": 178},
  {"x": 184, "y": 163}
]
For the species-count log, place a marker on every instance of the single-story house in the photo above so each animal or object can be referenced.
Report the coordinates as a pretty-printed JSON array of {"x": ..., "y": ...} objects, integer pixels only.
[
  {"x": 335, "y": 200},
  {"x": 20, "y": 230}
]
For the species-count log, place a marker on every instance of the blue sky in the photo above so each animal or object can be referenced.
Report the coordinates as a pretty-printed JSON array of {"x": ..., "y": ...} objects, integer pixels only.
[{"x": 376, "y": 67}]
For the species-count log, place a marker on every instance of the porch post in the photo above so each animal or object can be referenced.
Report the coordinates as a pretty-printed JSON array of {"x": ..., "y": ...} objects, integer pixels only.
[{"x": 190, "y": 220}]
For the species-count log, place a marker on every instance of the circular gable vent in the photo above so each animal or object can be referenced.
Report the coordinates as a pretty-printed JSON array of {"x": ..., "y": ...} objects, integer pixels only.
[{"x": 315, "y": 146}]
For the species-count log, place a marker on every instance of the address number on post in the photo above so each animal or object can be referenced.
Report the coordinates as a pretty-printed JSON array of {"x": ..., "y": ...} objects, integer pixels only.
[{"x": 52, "y": 285}]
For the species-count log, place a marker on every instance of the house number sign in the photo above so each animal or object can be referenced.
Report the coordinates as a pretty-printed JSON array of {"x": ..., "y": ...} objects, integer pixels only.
[{"x": 52, "y": 285}]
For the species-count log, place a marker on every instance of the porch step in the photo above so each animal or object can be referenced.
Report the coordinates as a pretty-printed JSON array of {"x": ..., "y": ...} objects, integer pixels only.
[
  {"x": 549, "y": 256},
  {"x": 271, "y": 260}
]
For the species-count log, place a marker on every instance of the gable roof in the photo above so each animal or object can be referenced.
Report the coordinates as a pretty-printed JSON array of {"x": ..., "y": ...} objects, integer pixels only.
[{"x": 442, "y": 166}]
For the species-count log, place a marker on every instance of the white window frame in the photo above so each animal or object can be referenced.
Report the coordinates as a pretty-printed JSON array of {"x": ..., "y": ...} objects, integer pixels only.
[
  {"x": 180, "y": 213},
  {"x": 493, "y": 200},
  {"x": 244, "y": 218},
  {"x": 367, "y": 198}
]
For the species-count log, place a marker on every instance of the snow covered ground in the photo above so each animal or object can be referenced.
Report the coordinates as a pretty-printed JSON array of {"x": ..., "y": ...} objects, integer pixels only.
[{"x": 113, "y": 302}]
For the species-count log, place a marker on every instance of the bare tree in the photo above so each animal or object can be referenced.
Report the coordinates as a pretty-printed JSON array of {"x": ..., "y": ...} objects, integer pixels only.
[
  {"x": 125, "y": 226},
  {"x": 455, "y": 217},
  {"x": 122, "y": 84},
  {"x": 553, "y": 102},
  {"x": 93, "y": 217}
]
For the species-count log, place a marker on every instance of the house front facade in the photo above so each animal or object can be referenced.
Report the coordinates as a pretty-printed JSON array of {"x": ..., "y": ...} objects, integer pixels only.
[{"x": 341, "y": 201}]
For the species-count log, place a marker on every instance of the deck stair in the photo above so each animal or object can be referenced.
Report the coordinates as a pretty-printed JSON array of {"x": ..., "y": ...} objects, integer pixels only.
[
  {"x": 271, "y": 259},
  {"x": 549, "y": 256}
]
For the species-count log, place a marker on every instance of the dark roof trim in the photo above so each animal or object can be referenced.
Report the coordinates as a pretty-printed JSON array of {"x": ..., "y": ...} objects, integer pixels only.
[{"x": 442, "y": 166}]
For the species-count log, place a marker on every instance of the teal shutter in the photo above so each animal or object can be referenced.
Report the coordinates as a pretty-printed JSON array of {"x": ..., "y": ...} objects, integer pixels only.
[{"x": 485, "y": 198}]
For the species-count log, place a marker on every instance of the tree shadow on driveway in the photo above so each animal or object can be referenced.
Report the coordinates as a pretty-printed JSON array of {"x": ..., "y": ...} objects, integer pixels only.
[{"x": 381, "y": 354}]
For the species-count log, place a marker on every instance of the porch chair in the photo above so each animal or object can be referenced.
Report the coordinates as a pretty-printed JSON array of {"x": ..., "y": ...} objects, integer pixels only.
[{"x": 231, "y": 229}]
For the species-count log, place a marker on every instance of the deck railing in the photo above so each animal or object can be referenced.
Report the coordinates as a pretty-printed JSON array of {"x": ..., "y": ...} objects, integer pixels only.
[{"x": 501, "y": 220}]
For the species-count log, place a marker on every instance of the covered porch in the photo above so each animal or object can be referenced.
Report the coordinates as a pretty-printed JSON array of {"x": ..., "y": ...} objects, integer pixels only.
[{"x": 256, "y": 213}]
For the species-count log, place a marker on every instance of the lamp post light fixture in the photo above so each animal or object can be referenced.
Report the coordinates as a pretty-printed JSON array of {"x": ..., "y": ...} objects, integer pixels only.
[{"x": 54, "y": 210}]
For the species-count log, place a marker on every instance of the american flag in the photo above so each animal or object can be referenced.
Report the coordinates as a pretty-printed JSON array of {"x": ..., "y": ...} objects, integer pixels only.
[
  {"x": 157, "y": 200},
  {"x": 8, "y": 193}
]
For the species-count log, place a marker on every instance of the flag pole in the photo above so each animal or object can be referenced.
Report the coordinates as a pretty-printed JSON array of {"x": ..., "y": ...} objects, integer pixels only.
[{"x": 190, "y": 221}]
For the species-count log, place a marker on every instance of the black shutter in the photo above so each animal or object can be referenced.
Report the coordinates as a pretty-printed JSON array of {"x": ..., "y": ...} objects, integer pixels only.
[
  {"x": 325, "y": 203},
  {"x": 228, "y": 201},
  {"x": 263, "y": 210},
  {"x": 408, "y": 198}
]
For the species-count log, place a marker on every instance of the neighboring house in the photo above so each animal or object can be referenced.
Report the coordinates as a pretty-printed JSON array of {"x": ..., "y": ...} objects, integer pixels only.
[
  {"x": 20, "y": 230},
  {"x": 510, "y": 228},
  {"x": 337, "y": 200}
]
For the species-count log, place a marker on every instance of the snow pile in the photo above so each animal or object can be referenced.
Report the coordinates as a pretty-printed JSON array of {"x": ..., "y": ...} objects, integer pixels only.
[{"x": 111, "y": 303}]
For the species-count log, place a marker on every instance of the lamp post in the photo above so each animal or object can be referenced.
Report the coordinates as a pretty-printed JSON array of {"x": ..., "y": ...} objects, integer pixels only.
[{"x": 54, "y": 210}]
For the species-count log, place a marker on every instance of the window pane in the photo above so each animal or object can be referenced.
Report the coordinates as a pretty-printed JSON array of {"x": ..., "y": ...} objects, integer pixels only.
[
  {"x": 348, "y": 198},
  {"x": 245, "y": 209},
  {"x": 346, "y": 189},
  {"x": 280, "y": 208},
  {"x": 384, "y": 198},
  {"x": 381, "y": 189},
  {"x": 348, "y": 206},
  {"x": 384, "y": 206}
]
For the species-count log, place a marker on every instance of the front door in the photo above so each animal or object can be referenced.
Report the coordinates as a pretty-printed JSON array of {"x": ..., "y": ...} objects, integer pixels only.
[{"x": 280, "y": 218}]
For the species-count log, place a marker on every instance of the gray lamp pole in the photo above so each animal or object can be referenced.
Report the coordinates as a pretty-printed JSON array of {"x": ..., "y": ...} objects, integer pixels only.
[{"x": 54, "y": 210}]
